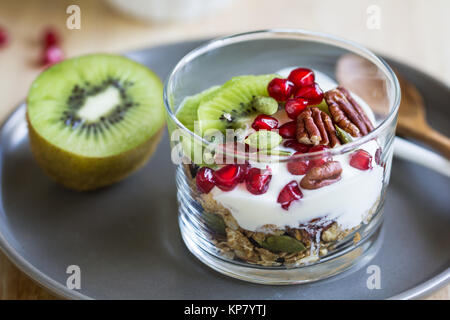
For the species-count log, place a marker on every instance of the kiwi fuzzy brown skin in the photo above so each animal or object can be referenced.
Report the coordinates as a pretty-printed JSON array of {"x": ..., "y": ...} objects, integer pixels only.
[{"x": 84, "y": 173}]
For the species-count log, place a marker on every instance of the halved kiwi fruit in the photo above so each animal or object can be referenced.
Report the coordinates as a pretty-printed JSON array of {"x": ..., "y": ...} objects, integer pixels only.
[{"x": 94, "y": 119}]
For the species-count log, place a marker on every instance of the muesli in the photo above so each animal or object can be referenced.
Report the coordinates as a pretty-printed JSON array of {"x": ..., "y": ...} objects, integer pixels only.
[{"x": 289, "y": 200}]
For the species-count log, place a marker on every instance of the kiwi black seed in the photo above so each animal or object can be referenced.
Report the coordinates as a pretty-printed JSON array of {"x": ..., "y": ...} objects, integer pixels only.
[
  {"x": 234, "y": 118},
  {"x": 232, "y": 105},
  {"x": 78, "y": 98}
]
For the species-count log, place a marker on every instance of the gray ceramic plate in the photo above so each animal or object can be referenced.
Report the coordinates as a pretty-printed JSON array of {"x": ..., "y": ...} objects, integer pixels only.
[{"x": 126, "y": 240}]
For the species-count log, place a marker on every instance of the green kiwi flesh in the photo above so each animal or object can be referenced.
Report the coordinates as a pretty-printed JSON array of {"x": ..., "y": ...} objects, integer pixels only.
[
  {"x": 231, "y": 106},
  {"x": 187, "y": 113},
  {"x": 94, "y": 119}
]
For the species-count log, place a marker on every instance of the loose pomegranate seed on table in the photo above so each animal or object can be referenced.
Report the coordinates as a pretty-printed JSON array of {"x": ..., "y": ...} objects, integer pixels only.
[
  {"x": 264, "y": 122},
  {"x": 298, "y": 167},
  {"x": 257, "y": 180},
  {"x": 312, "y": 93},
  {"x": 295, "y": 106},
  {"x": 52, "y": 55},
  {"x": 297, "y": 146},
  {"x": 302, "y": 77},
  {"x": 228, "y": 177},
  {"x": 361, "y": 159},
  {"x": 50, "y": 38},
  {"x": 4, "y": 38},
  {"x": 291, "y": 192},
  {"x": 288, "y": 130},
  {"x": 205, "y": 179},
  {"x": 280, "y": 89}
]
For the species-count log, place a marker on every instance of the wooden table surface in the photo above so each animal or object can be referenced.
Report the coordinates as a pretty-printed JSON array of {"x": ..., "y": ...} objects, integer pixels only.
[{"x": 416, "y": 32}]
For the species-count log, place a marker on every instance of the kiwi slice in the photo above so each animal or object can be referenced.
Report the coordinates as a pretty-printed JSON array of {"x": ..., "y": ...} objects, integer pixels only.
[
  {"x": 94, "y": 119},
  {"x": 187, "y": 113},
  {"x": 232, "y": 107}
]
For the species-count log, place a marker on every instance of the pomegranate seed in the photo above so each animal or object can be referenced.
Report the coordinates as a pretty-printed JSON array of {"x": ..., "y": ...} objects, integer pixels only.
[
  {"x": 280, "y": 89},
  {"x": 257, "y": 180},
  {"x": 288, "y": 130},
  {"x": 291, "y": 192},
  {"x": 52, "y": 55},
  {"x": 205, "y": 179},
  {"x": 245, "y": 168},
  {"x": 317, "y": 162},
  {"x": 318, "y": 148},
  {"x": 298, "y": 167},
  {"x": 361, "y": 159},
  {"x": 297, "y": 146},
  {"x": 294, "y": 107},
  {"x": 228, "y": 177},
  {"x": 378, "y": 157},
  {"x": 302, "y": 77},
  {"x": 4, "y": 38},
  {"x": 50, "y": 38},
  {"x": 313, "y": 94},
  {"x": 264, "y": 122}
]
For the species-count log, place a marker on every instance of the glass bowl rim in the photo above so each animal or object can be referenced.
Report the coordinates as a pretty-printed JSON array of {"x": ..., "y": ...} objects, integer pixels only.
[{"x": 317, "y": 37}]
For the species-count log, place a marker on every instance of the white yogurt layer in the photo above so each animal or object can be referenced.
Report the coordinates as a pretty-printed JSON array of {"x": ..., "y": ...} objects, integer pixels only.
[{"x": 347, "y": 201}]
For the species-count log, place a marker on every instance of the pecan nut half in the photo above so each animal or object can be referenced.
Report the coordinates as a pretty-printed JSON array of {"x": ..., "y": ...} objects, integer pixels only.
[
  {"x": 347, "y": 113},
  {"x": 318, "y": 177},
  {"x": 315, "y": 127}
]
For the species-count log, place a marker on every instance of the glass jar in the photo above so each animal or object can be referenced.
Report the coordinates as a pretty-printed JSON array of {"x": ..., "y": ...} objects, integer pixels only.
[{"x": 330, "y": 229}]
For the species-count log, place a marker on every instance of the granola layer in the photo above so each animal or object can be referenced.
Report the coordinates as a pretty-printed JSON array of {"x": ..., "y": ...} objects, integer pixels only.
[{"x": 318, "y": 237}]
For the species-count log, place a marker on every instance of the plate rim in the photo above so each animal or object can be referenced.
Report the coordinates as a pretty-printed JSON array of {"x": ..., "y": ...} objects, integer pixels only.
[
  {"x": 17, "y": 259},
  {"x": 419, "y": 291}
]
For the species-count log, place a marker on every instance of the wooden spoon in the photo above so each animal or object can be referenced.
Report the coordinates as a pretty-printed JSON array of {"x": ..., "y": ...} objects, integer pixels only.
[
  {"x": 412, "y": 121},
  {"x": 364, "y": 79}
]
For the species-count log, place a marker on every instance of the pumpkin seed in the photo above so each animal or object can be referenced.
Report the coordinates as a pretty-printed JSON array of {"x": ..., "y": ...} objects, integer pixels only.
[
  {"x": 283, "y": 244},
  {"x": 215, "y": 222}
]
